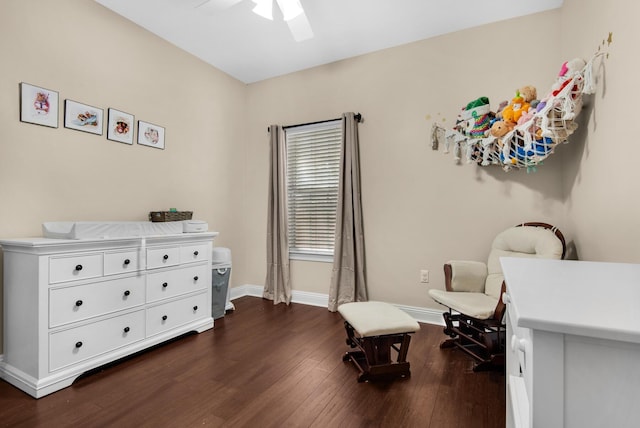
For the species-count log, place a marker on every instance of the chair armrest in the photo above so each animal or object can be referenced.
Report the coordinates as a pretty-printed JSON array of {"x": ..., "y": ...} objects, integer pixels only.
[{"x": 463, "y": 275}]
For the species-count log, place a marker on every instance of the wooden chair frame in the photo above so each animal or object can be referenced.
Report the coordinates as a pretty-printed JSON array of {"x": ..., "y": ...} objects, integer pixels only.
[
  {"x": 373, "y": 356},
  {"x": 484, "y": 340}
]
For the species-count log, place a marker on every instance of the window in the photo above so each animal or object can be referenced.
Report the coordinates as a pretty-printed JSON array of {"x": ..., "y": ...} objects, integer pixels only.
[{"x": 313, "y": 163}]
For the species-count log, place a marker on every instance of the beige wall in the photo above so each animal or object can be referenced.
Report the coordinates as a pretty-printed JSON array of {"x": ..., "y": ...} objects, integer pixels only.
[
  {"x": 602, "y": 178},
  {"x": 92, "y": 55},
  {"x": 420, "y": 209}
]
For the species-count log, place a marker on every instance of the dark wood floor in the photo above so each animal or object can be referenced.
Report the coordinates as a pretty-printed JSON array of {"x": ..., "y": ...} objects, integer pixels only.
[{"x": 268, "y": 366}]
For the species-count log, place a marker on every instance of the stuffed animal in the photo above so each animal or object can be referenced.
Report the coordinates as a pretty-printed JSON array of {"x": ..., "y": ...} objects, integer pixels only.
[
  {"x": 513, "y": 111},
  {"x": 475, "y": 118},
  {"x": 542, "y": 146},
  {"x": 500, "y": 128},
  {"x": 558, "y": 88},
  {"x": 571, "y": 68},
  {"x": 535, "y": 153},
  {"x": 567, "y": 72},
  {"x": 528, "y": 93},
  {"x": 527, "y": 116}
]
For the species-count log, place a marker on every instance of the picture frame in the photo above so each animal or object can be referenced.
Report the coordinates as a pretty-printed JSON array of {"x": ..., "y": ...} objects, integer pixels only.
[
  {"x": 150, "y": 135},
  {"x": 120, "y": 126},
  {"x": 83, "y": 117},
  {"x": 38, "y": 105}
]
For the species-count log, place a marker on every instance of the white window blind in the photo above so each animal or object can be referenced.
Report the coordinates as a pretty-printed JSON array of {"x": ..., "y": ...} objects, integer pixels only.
[{"x": 313, "y": 162}]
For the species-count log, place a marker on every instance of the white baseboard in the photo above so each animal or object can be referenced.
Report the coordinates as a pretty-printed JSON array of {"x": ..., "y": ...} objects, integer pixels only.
[
  {"x": 424, "y": 315},
  {"x": 246, "y": 290}
]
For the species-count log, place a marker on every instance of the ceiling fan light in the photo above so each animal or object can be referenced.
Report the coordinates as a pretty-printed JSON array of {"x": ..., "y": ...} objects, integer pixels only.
[
  {"x": 264, "y": 8},
  {"x": 290, "y": 9}
]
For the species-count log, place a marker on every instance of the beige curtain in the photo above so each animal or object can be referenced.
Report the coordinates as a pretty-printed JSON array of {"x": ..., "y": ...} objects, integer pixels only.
[
  {"x": 277, "y": 286},
  {"x": 348, "y": 282}
]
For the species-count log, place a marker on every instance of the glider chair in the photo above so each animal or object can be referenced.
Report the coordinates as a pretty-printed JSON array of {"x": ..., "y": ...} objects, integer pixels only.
[{"x": 474, "y": 320}]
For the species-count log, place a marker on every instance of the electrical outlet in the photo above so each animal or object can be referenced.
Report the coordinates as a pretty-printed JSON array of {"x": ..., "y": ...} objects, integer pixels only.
[{"x": 424, "y": 275}]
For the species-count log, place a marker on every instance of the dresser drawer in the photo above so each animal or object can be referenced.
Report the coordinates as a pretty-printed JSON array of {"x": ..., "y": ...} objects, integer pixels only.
[
  {"x": 194, "y": 253},
  {"x": 72, "y": 268},
  {"x": 71, "y": 346},
  {"x": 170, "y": 315},
  {"x": 122, "y": 262},
  {"x": 162, "y": 257},
  {"x": 70, "y": 304},
  {"x": 170, "y": 283}
]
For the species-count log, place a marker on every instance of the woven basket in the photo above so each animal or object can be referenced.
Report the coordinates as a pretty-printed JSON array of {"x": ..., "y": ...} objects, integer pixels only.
[{"x": 157, "y": 216}]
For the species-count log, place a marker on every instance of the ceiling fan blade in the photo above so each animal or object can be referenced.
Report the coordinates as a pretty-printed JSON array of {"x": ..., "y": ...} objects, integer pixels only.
[
  {"x": 300, "y": 28},
  {"x": 290, "y": 9},
  {"x": 216, "y": 5}
]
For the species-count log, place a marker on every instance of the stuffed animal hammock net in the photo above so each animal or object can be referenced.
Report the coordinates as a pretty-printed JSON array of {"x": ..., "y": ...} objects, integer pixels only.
[{"x": 530, "y": 141}]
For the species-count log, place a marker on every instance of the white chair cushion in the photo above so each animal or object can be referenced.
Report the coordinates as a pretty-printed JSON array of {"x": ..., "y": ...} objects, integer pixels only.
[
  {"x": 522, "y": 241},
  {"x": 530, "y": 240},
  {"x": 493, "y": 286},
  {"x": 377, "y": 318},
  {"x": 476, "y": 305},
  {"x": 468, "y": 275}
]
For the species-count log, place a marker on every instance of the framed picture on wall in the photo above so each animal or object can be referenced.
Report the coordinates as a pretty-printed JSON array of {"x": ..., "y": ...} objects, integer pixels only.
[
  {"x": 120, "y": 126},
  {"x": 38, "y": 105},
  {"x": 150, "y": 135},
  {"x": 83, "y": 117}
]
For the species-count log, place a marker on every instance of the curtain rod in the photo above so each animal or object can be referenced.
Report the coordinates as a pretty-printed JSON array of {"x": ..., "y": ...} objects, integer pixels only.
[{"x": 357, "y": 116}]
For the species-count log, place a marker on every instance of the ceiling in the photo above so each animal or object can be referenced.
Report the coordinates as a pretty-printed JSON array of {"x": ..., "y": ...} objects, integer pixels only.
[{"x": 251, "y": 48}]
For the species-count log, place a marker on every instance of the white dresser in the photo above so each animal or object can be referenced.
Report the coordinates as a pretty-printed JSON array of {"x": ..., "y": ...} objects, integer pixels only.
[
  {"x": 573, "y": 343},
  {"x": 74, "y": 305}
]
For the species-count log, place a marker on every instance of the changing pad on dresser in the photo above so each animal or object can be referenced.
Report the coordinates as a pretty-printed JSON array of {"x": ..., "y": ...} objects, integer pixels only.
[{"x": 118, "y": 229}]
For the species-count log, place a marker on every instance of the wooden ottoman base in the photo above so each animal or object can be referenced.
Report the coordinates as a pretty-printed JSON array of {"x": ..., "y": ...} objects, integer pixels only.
[{"x": 374, "y": 354}]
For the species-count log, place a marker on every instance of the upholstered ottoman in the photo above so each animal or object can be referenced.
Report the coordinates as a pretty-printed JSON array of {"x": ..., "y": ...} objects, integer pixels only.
[{"x": 375, "y": 328}]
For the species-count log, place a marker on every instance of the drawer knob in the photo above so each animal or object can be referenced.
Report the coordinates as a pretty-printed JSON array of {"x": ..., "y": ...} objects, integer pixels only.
[
  {"x": 164, "y": 285},
  {"x": 78, "y": 267},
  {"x": 79, "y": 302},
  {"x": 127, "y": 261},
  {"x": 164, "y": 317},
  {"x": 126, "y": 329},
  {"x": 195, "y": 308},
  {"x": 78, "y": 344},
  {"x": 195, "y": 278},
  {"x": 195, "y": 253},
  {"x": 127, "y": 292},
  {"x": 165, "y": 257}
]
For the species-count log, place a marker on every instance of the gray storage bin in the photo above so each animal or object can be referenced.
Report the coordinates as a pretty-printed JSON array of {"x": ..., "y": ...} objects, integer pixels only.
[
  {"x": 220, "y": 273},
  {"x": 219, "y": 287}
]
